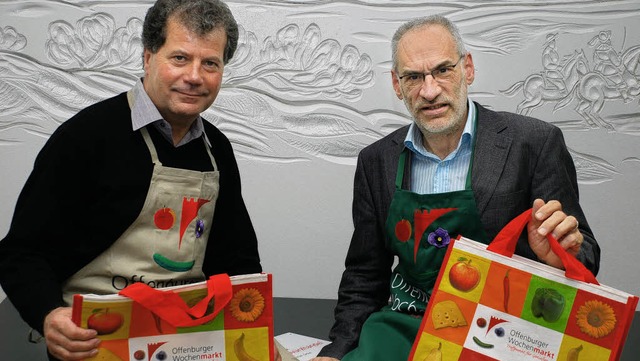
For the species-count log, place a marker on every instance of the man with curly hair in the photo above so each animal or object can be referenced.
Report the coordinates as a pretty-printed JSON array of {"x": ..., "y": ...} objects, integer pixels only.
[{"x": 135, "y": 188}]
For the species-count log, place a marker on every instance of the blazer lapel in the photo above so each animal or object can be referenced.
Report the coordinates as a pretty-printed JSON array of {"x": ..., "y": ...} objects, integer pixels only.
[{"x": 490, "y": 155}]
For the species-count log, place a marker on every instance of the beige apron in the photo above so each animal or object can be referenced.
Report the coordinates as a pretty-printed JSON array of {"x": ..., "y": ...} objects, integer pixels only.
[{"x": 165, "y": 245}]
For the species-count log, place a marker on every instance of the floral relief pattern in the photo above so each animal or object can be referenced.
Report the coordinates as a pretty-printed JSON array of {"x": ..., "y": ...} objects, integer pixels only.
[
  {"x": 95, "y": 43},
  {"x": 10, "y": 39},
  {"x": 294, "y": 94},
  {"x": 102, "y": 60}
]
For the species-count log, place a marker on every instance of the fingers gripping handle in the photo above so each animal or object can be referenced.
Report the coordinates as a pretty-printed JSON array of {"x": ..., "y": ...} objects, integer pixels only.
[
  {"x": 170, "y": 307},
  {"x": 505, "y": 244}
]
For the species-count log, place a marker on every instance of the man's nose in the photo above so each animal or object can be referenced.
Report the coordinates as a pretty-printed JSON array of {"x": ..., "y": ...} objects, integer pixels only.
[
  {"x": 193, "y": 73},
  {"x": 430, "y": 87}
]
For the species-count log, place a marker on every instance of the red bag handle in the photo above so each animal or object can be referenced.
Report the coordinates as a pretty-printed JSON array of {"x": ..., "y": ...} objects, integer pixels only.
[
  {"x": 506, "y": 240},
  {"x": 170, "y": 307}
]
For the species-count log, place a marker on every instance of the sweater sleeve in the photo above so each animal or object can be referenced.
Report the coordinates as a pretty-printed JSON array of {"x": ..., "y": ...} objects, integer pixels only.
[
  {"x": 67, "y": 213},
  {"x": 32, "y": 254}
]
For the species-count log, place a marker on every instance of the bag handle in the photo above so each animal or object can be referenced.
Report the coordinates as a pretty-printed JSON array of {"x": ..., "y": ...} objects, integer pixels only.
[
  {"x": 170, "y": 307},
  {"x": 505, "y": 244}
]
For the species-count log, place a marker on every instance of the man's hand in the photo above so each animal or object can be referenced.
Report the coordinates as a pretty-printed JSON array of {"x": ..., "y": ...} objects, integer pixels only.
[
  {"x": 324, "y": 359},
  {"x": 549, "y": 218},
  {"x": 67, "y": 341}
]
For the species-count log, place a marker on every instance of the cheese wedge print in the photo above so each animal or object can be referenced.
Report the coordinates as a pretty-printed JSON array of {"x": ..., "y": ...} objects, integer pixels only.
[{"x": 447, "y": 314}]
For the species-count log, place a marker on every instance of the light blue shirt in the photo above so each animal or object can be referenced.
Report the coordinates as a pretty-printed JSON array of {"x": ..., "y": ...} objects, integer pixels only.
[
  {"x": 430, "y": 174},
  {"x": 144, "y": 112}
]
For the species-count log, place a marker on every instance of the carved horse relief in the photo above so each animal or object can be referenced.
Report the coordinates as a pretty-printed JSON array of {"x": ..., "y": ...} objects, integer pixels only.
[
  {"x": 616, "y": 76},
  {"x": 594, "y": 88},
  {"x": 535, "y": 89}
]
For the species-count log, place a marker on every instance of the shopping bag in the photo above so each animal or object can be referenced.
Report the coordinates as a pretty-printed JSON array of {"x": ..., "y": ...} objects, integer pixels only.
[
  {"x": 489, "y": 304},
  {"x": 223, "y": 319}
]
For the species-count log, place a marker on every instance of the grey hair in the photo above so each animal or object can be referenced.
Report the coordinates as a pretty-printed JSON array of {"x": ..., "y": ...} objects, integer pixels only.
[
  {"x": 198, "y": 16},
  {"x": 423, "y": 22}
]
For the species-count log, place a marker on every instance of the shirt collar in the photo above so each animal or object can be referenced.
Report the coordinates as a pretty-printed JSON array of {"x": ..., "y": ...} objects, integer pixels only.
[
  {"x": 413, "y": 140},
  {"x": 144, "y": 112}
]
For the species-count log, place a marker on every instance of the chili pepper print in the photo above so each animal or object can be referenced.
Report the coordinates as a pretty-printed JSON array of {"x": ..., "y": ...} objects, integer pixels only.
[{"x": 505, "y": 286}]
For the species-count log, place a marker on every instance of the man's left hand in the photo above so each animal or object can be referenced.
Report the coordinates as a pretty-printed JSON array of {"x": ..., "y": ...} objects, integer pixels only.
[{"x": 548, "y": 217}]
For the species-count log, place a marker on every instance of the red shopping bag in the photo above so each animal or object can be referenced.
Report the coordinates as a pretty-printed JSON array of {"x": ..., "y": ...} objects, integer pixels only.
[{"x": 489, "y": 304}]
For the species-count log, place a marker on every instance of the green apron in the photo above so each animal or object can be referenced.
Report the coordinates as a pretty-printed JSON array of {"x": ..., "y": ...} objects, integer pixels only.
[{"x": 418, "y": 229}]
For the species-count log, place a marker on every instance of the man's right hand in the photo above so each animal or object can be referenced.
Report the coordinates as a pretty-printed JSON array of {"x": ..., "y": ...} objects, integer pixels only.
[{"x": 65, "y": 340}]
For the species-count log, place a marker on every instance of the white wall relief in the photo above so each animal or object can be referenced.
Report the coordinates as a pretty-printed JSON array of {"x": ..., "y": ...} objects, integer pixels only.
[
  {"x": 10, "y": 39},
  {"x": 613, "y": 76},
  {"x": 310, "y": 86},
  {"x": 286, "y": 97},
  {"x": 95, "y": 43}
]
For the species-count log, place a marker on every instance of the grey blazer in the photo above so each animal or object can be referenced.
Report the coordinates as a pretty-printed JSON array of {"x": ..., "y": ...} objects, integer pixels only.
[{"x": 517, "y": 159}]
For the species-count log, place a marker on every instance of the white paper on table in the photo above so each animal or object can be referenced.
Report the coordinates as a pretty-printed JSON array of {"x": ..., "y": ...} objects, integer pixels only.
[{"x": 303, "y": 348}]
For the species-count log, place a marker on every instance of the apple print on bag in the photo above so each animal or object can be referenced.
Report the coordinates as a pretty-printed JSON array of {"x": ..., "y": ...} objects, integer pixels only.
[
  {"x": 104, "y": 321},
  {"x": 465, "y": 275}
]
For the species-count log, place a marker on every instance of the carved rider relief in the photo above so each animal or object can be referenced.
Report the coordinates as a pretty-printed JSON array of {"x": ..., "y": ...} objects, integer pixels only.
[{"x": 572, "y": 80}]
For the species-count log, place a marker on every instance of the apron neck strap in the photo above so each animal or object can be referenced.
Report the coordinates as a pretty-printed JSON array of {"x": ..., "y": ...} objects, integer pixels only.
[
  {"x": 400, "y": 171},
  {"x": 467, "y": 184},
  {"x": 206, "y": 141},
  {"x": 152, "y": 148}
]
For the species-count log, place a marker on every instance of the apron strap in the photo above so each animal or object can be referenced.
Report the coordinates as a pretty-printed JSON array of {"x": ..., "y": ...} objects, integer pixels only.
[
  {"x": 152, "y": 148},
  {"x": 145, "y": 133},
  {"x": 208, "y": 148},
  {"x": 400, "y": 171},
  {"x": 467, "y": 184}
]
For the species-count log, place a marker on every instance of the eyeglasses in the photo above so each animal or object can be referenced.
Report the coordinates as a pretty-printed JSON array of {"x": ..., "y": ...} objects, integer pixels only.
[{"x": 441, "y": 74}]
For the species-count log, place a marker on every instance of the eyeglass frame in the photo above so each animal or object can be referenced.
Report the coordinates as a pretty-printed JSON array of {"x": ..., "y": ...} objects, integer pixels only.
[{"x": 450, "y": 67}]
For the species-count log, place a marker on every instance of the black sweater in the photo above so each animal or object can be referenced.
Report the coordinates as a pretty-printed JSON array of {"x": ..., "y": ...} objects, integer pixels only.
[{"x": 88, "y": 185}]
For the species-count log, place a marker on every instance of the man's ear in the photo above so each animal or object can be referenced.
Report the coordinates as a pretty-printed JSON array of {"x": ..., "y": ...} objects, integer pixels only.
[
  {"x": 396, "y": 84},
  {"x": 146, "y": 58},
  {"x": 469, "y": 69}
]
